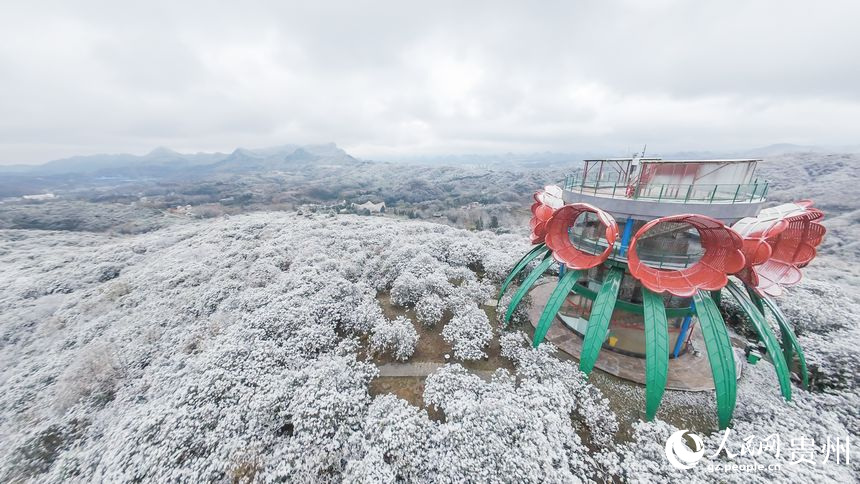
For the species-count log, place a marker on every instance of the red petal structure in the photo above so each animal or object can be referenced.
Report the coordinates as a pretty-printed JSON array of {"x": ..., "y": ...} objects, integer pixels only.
[
  {"x": 546, "y": 202},
  {"x": 778, "y": 243},
  {"x": 558, "y": 237},
  {"x": 552, "y": 196},
  {"x": 723, "y": 255},
  {"x": 540, "y": 216}
]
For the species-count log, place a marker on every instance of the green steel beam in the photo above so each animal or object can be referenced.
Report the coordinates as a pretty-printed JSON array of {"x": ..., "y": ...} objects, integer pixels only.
[
  {"x": 766, "y": 336},
  {"x": 533, "y": 276},
  {"x": 789, "y": 339},
  {"x": 553, "y": 304},
  {"x": 537, "y": 251},
  {"x": 755, "y": 298},
  {"x": 656, "y": 351},
  {"x": 720, "y": 355},
  {"x": 717, "y": 296},
  {"x": 598, "y": 322}
]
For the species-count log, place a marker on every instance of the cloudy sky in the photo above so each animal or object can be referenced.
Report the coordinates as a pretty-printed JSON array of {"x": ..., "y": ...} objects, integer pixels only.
[{"x": 402, "y": 79}]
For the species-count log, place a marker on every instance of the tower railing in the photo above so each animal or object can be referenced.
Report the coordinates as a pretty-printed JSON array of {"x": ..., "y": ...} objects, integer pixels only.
[{"x": 671, "y": 192}]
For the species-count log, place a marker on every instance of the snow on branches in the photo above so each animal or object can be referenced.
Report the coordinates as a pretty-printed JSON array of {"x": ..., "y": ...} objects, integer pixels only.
[
  {"x": 537, "y": 367},
  {"x": 468, "y": 332},
  {"x": 226, "y": 350},
  {"x": 398, "y": 337},
  {"x": 212, "y": 350},
  {"x": 499, "y": 431},
  {"x": 430, "y": 309}
]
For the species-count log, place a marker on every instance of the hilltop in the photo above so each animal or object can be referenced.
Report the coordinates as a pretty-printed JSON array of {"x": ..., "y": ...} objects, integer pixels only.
[{"x": 243, "y": 347}]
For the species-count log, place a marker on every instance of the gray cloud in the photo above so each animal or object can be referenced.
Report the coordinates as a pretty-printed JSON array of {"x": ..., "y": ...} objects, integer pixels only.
[{"x": 389, "y": 79}]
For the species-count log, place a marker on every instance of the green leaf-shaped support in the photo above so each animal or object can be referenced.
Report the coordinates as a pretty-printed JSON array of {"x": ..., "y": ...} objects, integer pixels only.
[
  {"x": 717, "y": 296},
  {"x": 533, "y": 276},
  {"x": 537, "y": 251},
  {"x": 766, "y": 336},
  {"x": 553, "y": 304},
  {"x": 755, "y": 298},
  {"x": 789, "y": 339},
  {"x": 787, "y": 348},
  {"x": 656, "y": 351},
  {"x": 720, "y": 355},
  {"x": 598, "y": 322}
]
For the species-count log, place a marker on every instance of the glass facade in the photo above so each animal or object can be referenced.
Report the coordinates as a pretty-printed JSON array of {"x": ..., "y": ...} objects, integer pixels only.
[
  {"x": 665, "y": 245},
  {"x": 626, "y": 334}
]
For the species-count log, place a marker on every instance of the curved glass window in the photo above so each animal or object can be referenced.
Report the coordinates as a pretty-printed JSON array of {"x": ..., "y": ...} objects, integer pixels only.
[{"x": 626, "y": 334}]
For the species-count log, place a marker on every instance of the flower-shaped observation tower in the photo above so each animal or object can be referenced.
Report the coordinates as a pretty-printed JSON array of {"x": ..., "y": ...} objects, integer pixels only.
[{"x": 645, "y": 247}]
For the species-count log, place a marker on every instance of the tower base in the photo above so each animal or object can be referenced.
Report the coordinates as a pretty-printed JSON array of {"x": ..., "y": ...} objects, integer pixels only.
[{"x": 688, "y": 372}]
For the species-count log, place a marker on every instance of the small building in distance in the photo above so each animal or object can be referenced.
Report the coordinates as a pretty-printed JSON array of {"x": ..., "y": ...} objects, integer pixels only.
[
  {"x": 370, "y": 207},
  {"x": 40, "y": 197}
]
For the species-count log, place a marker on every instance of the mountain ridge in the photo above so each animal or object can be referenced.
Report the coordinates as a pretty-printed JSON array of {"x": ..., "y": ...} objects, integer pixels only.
[{"x": 163, "y": 160}]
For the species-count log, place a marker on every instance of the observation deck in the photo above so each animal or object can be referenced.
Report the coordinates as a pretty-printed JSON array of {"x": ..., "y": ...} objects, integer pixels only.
[{"x": 648, "y": 188}]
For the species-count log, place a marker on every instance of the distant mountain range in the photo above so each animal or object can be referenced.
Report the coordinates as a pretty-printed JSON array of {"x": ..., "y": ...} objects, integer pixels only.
[{"x": 164, "y": 161}]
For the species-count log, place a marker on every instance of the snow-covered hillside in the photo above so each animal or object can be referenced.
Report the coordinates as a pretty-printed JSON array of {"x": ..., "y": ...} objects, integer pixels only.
[{"x": 232, "y": 350}]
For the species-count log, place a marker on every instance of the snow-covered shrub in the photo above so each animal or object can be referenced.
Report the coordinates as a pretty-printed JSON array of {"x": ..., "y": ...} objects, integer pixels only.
[
  {"x": 538, "y": 366},
  {"x": 430, "y": 309},
  {"x": 262, "y": 272},
  {"x": 521, "y": 313},
  {"x": 436, "y": 282},
  {"x": 398, "y": 336},
  {"x": 392, "y": 263},
  {"x": 409, "y": 288},
  {"x": 404, "y": 435},
  {"x": 365, "y": 316},
  {"x": 93, "y": 375},
  {"x": 825, "y": 320},
  {"x": 406, "y": 290},
  {"x": 312, "y": 339},
  {"x": 497, "y": 265},
  {"x": 422, "y": 265},
  {"x": 328, "y": 402},
  {"x": 464, "y": 252},
  {"x": 470, "y": 293},
  {"x": 370, "y": 468},
  {"x": 337, "y": 300},
  {"x": 499, "y": 432},
  {"x": 479, "y": 291},
  {"x": 512, "y": 343},
  {"x": 468, "y": 332},
  {"x": 459, "y": 273}
]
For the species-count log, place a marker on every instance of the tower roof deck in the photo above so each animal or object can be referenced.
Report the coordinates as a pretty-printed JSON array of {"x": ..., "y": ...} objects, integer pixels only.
[
  {"x": 669, "y": 186},
  {"x": 706, "y": 193}
]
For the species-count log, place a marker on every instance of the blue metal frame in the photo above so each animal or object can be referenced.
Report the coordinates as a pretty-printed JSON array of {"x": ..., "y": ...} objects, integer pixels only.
[
  {"x": 625, "y": 237},
  {"x": 685, "y": 326}
]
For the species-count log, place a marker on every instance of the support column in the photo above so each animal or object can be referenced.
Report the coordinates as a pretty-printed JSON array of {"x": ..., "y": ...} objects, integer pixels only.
[
  {"x": 625, "y": 237},
  {"x": 685, "y": 326}
]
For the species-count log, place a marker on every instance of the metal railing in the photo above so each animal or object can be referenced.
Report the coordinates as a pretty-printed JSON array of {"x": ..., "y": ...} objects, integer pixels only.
[{"x": 671, "y": 192}]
